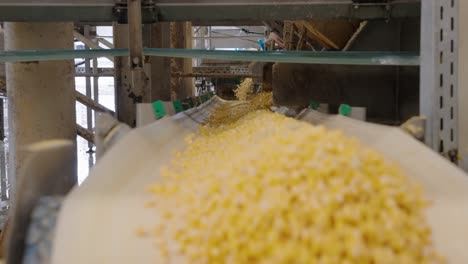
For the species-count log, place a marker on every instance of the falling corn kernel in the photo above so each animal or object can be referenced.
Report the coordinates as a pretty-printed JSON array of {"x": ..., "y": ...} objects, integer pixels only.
[
  {"x": 230, "y": 112},
  {"x": 270, "y": 189},
  {"x": 244, "y": 90}
]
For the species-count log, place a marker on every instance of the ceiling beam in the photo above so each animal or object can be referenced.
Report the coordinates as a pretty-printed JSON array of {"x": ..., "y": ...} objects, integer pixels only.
[{"x": 203, "y": 11}]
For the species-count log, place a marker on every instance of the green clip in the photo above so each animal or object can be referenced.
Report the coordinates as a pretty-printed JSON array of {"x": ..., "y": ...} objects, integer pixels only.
[
  {"x": 345, "y": 110},
  {"x": 159, "y": 110},
  {"x": 314, "y": 105},
  {"x": 178, "y": 106}
]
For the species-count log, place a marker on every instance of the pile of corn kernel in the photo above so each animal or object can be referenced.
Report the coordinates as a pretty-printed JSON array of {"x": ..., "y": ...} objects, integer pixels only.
[
  {"x": 229, "y": 112},
  {"x": 270, "y": 189}
]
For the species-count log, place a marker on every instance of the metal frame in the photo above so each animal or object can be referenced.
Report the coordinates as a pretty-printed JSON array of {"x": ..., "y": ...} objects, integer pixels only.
[
  {"x": 439, "y": 75},
  {"x": 202, "y": 10},
  {"x": 439, "y": 37}
]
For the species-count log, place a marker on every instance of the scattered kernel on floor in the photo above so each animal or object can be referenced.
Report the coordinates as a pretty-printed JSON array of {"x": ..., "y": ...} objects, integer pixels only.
[{"x": 270, "y": 189}]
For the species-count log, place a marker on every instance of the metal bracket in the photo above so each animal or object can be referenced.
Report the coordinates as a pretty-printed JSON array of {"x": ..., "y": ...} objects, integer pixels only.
[
  {"x": 148, "y": 10},
  {"x": 362, "y": 4}
]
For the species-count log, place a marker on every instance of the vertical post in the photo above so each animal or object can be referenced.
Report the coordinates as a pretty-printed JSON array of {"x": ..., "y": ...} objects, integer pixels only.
[
  {"x": 89, "y": 112},
  {"x": 210, "y": 44},
  {"x": 2, "y": 120},
  {"x": 428, "y": 79},
  {"x": 41, "y": 96},
  {"x": 181, "y": 38},
  {"x": 131, "y": 82},
  {"x": 3, "y": 172},
  {"x": 135, "y": 34},
  {"x": 95, "y": 76},
  {"x": 160, "y": 66},
  {"x": 462, "y": 29},
  {"x": 135, "y": 28},
  {"x": 123, "y": 88},
  {"x": 439, "y": 81},
  {"x": 189, "y": 83}
]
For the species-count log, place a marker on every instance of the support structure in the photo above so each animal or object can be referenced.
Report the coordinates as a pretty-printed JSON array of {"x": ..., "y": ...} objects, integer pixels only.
[
  {"x": 88, "y": 89},
  {"x": 181, "y": 38},
  {"x": 463, "y": 83},
  {"x": 41, "y": 94},
  {"x": 160, "y": 66},
  {"x": 126, "y": 94},
  {"x": 439, "y": 92}
]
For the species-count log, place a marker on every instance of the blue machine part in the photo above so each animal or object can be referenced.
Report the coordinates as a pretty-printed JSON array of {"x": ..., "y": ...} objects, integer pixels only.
[
  {"x": 39, "y": 240},
  {"x": 261, "y": 43}
]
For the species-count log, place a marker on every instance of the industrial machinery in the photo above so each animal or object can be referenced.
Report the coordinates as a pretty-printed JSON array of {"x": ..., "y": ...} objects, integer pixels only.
[{"x": 96, "y": 222}]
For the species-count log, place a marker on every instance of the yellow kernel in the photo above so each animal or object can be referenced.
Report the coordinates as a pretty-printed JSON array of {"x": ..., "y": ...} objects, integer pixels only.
[{"x": 257, "y": 187}]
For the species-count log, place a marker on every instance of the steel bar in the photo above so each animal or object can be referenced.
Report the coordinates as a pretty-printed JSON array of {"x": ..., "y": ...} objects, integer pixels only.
[
  {"x": 215, "y": 75},
  {"x": 311, "y": 57},
  {"x": 89, "y": 111},
  {"x": 105, "y": 42},
  {"x": 101, "y": 72},
  {"x": 85, "y": 100},
  {"x": 82, "y": 99},
  {"x": 85, "y": 133},
  {"x": 49, "y": 55},
  {"x": 88, "y": 42},
  {"x": 204, "y": 11},
  {"x": 353, "y": 38}
]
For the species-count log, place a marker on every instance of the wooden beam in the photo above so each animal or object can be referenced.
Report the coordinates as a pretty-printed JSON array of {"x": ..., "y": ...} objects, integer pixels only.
[
  {"x": 214, "y": 75},
  {"x": 106, "y": 43},
  {"x": 353, "y": 38},
  {"x": 288, "y": 35},
  {"x": 317, "y": 35},
  {"x": 88, "y": 42},
  {"x": 85, "y": 100},
  {"x": 85, "y": 133},
  {"x": 302, "y": 38}
]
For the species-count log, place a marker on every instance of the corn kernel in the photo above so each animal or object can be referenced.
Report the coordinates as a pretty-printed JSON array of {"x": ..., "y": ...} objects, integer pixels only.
[{"x": 263, "y": 188}]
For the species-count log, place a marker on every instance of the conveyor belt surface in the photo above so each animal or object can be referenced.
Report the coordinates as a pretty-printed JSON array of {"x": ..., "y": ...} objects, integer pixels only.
[{"x": 98, "y": 221}]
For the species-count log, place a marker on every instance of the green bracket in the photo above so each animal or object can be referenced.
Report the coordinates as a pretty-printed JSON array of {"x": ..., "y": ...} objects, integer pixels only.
[
  {"x": 345, "y": 110},
  {"x": 159, "y": 110},
  {"x": 314, "y": 105},
  {"x": 178, "y": 106}
]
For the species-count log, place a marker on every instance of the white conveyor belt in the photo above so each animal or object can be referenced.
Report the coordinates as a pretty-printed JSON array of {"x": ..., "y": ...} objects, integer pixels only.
[{"x": 98, "y": 220}]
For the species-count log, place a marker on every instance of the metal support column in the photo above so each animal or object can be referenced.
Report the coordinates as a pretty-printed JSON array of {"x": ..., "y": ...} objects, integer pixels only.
[
  {"x": 439, "y": 71},
  {"x": 462, "y": 29},
  {"x": 88, "y": 91},
  {"x": 131, "y": 81},
  {"x": 95, "y": 79},
  {"x": 181, "y": 38},
  {"x": 135, "y": 29},
  {"x": 41, "y": 95},
  {"x": 160, "y": 66}
]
